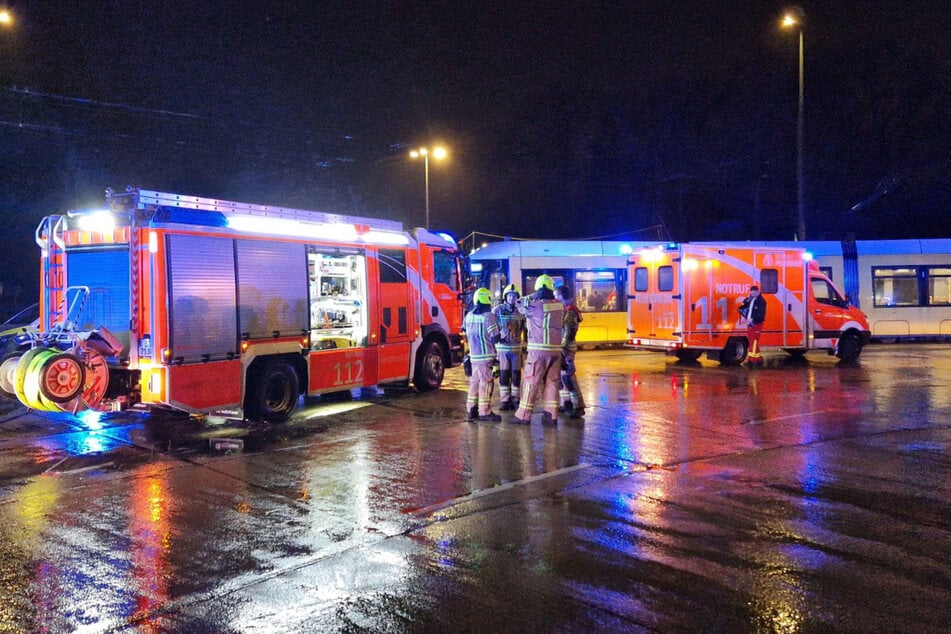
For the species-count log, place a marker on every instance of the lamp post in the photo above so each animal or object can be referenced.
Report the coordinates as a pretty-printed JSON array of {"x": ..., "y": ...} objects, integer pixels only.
[
  {"x": 438, "y": 153},
  {"x": 6, "y": 18},
  {"x": 790, "y": 20}
]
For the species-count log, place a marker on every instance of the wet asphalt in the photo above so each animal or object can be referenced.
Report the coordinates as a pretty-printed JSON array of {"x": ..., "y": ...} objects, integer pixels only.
[{"x": 804, "y": 496}]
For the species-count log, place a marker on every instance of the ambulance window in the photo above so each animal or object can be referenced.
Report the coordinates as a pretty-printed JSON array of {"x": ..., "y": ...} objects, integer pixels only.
[
  {"x": 665, "y": 278},
  {"x": 445, "y": 270},
  {"x": 825, "y": 293},
  {"x": 392, "y": 266},
  {"x": 640, "y": 279},
  {"x": 821, "y": 291},
  {"x": 769, "y": 281}
]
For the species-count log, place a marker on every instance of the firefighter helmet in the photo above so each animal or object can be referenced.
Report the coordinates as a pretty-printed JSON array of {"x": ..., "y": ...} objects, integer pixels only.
[
  {"x": 482, "y": 296},
  {"x": 544, "y": 281},
  {"x": 511, "y": 288}
]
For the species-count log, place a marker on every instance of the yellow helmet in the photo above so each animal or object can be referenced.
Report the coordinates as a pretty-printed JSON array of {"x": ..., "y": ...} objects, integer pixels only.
[
  {"x": 544, "y": 281},
  {"x": 482, "y": 296},
  {"x": 511, "y": 288}
]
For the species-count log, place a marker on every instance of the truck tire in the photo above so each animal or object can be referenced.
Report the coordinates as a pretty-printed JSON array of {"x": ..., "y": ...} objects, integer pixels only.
[
  {"x": 734, "y": 352},
  {"x": 688, "y": 355},
  {"x": 272, "y": 392},
  {"x": 430, "y": 367},
  {"x": 849, "y": 348}
]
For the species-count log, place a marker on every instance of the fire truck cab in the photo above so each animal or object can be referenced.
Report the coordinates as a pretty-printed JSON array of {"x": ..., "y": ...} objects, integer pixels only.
[
  {"x": 206, "y": 305},
  {"x": 683, "y": 299}
]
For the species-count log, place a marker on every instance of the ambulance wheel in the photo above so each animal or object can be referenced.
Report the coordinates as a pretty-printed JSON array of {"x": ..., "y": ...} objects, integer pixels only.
[
  {"x": 430, "y": 367},
  {"x": 850, "y": 347},
  {"x": 688, "y": 355},
  {"x": 734, "y": 352},
  {"x": 272, "y": 393},
  {"x": 61, "y": 378}
]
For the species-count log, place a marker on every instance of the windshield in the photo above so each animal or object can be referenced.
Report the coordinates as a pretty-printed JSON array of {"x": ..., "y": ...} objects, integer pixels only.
[{"x": 26, "y": 316}]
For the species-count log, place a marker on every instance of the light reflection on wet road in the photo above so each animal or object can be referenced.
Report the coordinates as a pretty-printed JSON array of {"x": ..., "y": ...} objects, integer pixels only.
[{"x": 802, "y": 496}]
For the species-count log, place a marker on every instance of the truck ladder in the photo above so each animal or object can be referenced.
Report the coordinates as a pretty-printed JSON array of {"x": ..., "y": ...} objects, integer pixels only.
[{"x": 149, "y": 199}]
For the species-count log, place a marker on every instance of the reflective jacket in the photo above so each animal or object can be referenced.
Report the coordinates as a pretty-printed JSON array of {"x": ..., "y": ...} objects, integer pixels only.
[
  {"x": 573, "y": 320},
  {"x": 545, "y": 319},
  {"x": 482, "y": 331},
  {"x": 511, "y": 327}
]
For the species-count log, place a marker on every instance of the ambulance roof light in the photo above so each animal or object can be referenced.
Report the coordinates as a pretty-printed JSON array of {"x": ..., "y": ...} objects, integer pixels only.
[
  {"x": 807, "y": 256},
  {"x": 625, "y": 249},
  {"x": 447, "y": 237}
]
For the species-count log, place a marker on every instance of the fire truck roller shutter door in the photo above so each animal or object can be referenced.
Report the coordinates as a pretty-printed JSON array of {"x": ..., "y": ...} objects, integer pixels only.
[
  {"x": 203, "y": 319},
  {"x": 272, "y": 288}
]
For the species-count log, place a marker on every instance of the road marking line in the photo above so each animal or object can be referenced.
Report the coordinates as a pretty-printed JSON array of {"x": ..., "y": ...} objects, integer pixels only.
[{"x": 481, "y": 493}]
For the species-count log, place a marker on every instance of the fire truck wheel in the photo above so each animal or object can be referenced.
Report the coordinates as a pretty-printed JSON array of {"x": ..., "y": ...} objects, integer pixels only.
[
  {"x": 430, "y": 367},
  {"x": 734, "y": 352},
  {"x": 272, "y": 394},
  {"x": 7, "y": 371},
  {"x": 61, "y": 378},
  {"x": 850, "y": 347}
]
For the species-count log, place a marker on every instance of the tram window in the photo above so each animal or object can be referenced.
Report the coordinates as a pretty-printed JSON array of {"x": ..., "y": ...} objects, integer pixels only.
[
  {"x": 895, "y": 286},
  {"x": 596, "y": 291},
  {"x": 939, "y": 286},
  {"x": 640, "y": 279}
]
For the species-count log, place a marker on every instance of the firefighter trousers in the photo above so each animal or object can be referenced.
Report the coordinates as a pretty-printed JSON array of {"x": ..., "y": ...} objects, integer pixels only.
[
  {"x": 481, "y": 387},
  {"x": 569, "y": 383},
  {"x": 540, "y": 378},
  {"x": 510, "y": 374}
]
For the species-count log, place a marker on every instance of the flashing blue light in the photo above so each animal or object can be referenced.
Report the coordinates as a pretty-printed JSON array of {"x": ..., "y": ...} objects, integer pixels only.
[
  {"x": 626, "y": 249},
  {"x": 447, "y": 237},
  {"x": 807, "y": 256}
]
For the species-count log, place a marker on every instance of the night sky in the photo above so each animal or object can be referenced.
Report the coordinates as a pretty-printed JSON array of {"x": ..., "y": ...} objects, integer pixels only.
[{"x": 649, "y": 119}]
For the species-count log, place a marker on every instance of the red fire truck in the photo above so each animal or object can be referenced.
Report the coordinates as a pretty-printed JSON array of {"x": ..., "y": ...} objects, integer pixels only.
[{"x": 205, "y": 305}]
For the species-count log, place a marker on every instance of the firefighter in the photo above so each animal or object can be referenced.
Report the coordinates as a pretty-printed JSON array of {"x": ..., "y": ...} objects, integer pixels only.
[
  {"x": 482, "y": 333},
  {"x": 756, "y": 315},
  {"x": 512, "y": 329},
  {"x": 541, "y": 374},
  {"x": 570, "y": 394}
]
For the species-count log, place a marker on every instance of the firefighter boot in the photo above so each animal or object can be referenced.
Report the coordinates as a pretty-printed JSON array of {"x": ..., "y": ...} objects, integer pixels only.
[
  {"x": 473, "y": 413},
  {"x": 566, "y": 408},
  {"x": 548, "y": 420},
  {"x": 506, "y": 405},
  {"x": 491, "y": 417}
]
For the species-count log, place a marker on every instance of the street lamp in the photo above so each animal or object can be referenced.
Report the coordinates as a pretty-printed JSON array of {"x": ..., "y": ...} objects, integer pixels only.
[
  {"x": 793, "y": 19},
  {"x": 6, "y": 18},
  {"x": 438, "y": 153}
]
